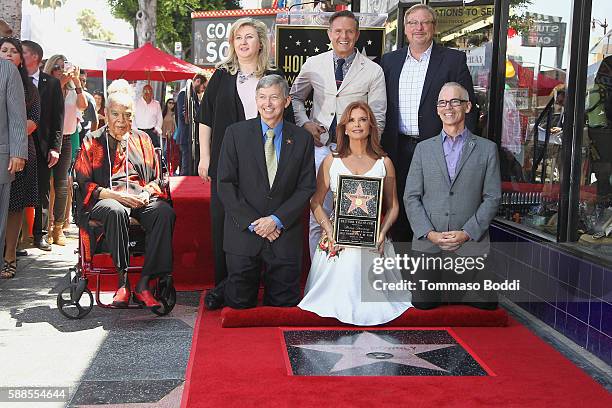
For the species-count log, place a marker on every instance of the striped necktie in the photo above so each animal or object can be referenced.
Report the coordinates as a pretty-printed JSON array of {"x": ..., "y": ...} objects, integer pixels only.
[
  {"x": 270, "y": 152},
  {"x": 339, "y": 74}
]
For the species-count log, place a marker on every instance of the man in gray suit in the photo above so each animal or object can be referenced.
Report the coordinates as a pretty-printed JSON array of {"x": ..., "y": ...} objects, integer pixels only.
[
  {"x": 13, "y": 138},
  {"x": 452, "y": 193}
]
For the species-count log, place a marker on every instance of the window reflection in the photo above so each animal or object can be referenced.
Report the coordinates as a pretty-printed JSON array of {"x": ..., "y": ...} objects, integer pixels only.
[
  {"x": 594, "y": 229},
  {"x": 533, "y": 114}
]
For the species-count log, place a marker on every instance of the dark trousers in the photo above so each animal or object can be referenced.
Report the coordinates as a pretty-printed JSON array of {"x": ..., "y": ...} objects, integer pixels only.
[
  {"x": 40, "y": 211},
  {"x": 217, "y": 218},
  {"x": 153, "y": 135},
  {"x": 401, "y": 231},
  {"x": 429, "y": 299},
  {"x": 157, "y": 220},
  {"x": 281, "y": 279},
  {"x": 60, "y": 181},
  {"x": 186, "y": 160}
]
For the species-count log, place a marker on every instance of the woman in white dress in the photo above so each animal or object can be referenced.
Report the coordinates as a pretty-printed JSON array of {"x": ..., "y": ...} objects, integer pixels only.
[{"x": 340, "y": 281}]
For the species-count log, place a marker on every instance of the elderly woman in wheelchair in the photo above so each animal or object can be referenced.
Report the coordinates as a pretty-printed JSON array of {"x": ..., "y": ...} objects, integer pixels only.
[{"x": 118, "y": 175}]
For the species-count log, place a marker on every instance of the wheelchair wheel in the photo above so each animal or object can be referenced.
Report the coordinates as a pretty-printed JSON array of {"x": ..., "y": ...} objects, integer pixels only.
[
  {"x": 166, "y": 294},
  {"x": 74, "y": 308}
]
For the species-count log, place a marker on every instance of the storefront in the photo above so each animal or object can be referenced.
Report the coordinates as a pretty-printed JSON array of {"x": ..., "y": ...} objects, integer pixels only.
[{"x": 542, "y": 72}]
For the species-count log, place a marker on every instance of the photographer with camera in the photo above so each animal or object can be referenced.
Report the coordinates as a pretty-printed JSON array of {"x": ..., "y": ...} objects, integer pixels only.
[{"x": 74, "y": 101}]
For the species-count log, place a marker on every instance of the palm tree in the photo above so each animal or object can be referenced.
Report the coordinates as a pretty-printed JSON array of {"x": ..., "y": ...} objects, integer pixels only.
[{"x": 10, "y": 10}]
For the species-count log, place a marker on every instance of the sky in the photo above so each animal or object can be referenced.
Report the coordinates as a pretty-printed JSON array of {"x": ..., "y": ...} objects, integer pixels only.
[{"x": 64, "y": 19}]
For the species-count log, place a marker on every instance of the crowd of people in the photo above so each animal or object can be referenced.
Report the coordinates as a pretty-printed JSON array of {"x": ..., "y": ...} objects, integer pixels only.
[{"x": 408, "y": 121}]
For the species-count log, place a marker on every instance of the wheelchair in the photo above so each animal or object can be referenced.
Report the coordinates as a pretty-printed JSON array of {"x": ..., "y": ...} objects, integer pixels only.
[{"x": 76, "y": 299}]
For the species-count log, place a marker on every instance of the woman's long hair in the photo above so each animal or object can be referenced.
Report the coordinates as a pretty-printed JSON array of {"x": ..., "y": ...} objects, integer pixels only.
[
  {"x": 52, "y": 62},
  {"x": 231, "y": 65},
  {"x": 28, "y": 86},
  {"x": 102, "y": 103},
  {"x": 373, "y": 148},
  {"x": 165, "y": 110}
]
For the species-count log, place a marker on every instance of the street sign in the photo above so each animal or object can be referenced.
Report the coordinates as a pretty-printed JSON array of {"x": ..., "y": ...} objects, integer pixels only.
[{"x": 545, "y": 35}]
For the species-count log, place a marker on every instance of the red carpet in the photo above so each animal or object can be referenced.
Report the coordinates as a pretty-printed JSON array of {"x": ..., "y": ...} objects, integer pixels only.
[
  {"x": 267, "y": 316},
  {"x": 193, "y": 262},
  {"x": 245, "y": 367}
]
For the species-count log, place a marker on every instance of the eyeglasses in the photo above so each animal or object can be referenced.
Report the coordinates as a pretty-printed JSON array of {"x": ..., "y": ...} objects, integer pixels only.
[
  {"x": 416, "y": 23},
  {"x": 442, "y": 103}
]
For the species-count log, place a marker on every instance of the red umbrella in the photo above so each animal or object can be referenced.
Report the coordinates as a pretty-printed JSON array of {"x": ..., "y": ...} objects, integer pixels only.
[{"x": 148, "y": 63}]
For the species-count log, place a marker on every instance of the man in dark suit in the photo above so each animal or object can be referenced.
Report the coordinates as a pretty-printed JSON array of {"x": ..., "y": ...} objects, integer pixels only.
[
  {"x": 414, "y": 76},
  {"x": 265, "y": 177},
  {"x": 185, "y": 122},
  {"x": 48, "y": 136}
]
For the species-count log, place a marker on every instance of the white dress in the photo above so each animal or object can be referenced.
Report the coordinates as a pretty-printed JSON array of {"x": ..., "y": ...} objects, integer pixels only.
[{"x": 334, "y": 286}]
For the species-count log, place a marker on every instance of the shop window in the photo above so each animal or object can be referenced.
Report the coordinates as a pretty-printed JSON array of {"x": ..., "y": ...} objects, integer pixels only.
[
  {"x": 594, "y": 229},
  {"x": 533, "y": 114}
]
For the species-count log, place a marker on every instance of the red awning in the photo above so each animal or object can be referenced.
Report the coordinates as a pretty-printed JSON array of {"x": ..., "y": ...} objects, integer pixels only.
[{"x": 149, "y": 63}]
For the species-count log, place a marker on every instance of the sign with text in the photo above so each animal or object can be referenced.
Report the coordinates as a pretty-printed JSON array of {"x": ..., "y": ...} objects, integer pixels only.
[
  {"x": 210, "y": 38},
  {"x": 545, "y": 35},
  {"x": 451, "y": 19},
  {"x": 475, "y": 56},
  {"x": 358, "y": 209}
]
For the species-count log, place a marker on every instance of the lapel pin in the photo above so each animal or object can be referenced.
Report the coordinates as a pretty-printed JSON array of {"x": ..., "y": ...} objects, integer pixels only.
[{"x": 289, "y": 141}]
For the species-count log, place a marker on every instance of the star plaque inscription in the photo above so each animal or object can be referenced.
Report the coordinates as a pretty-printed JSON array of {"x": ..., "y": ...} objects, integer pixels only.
[{"x": 357, "y": 212}]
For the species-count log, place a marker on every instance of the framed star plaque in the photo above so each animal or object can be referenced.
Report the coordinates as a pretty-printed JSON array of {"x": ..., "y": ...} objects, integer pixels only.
[{"x": 358, "y": 209}]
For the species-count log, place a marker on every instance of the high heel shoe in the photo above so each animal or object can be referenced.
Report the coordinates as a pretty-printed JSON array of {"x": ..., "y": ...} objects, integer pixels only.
[{"x": 146, "y": 298}]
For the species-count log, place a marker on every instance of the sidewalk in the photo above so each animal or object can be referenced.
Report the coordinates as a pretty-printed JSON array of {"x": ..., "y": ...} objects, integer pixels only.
[{"x": 120, "y": 358}]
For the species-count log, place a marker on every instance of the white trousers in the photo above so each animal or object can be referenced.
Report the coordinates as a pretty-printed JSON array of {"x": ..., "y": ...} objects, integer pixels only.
[{"x": 315, "y": 230}]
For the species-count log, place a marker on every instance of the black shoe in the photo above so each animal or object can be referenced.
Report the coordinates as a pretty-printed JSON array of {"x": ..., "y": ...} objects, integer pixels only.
[
  {"x": 213, "y": 300},
  {"x": 22, "y": 252},
  {"x": 41, "y": 244}
]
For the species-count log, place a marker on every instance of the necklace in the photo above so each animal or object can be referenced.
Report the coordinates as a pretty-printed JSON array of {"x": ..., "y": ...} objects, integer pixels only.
[{"x": 242, "y": 77}]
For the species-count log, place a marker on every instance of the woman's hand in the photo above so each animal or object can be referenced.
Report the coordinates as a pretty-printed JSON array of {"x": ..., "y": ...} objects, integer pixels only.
[
  {"x": 203, "y": 168},
  {"x": 380, "y": 243},
  {"x": 31, "y": 126}
]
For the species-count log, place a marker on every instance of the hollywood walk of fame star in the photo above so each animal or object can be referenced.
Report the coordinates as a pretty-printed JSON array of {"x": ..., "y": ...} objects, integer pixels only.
[
  {"x": 365, "y": 54},
  {"x": 358, "y": 199},
  {"x": 370, "y": 349}
]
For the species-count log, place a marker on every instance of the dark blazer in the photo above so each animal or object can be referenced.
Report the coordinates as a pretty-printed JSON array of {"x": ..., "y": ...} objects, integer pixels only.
[
  {"x": 445, "y": 65},
  {"x": 184, "y": 126},
  {"x": 49, "y": 133},
  {"x": 221, "y": 106},
  {"x": 243, "y": 187}
]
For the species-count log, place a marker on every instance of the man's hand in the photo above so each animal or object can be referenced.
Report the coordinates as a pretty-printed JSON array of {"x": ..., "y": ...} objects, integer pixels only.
[
  {"x": 15, "y": 164},
  {"x": 52, "y": 158},
  {"x": 315, "y": 130},
  {"x": 275, "y": 234},
  {"x": 129, "y": 200},
  {"x": 203, "y": 168},
  {"x": 449, "y": 240},
  {"x": 264, "y": 226}
]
